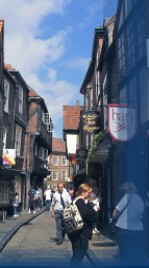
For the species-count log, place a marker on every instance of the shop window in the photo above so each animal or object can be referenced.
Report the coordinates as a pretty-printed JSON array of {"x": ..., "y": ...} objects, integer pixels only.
[{"x": 4, "y": 192}]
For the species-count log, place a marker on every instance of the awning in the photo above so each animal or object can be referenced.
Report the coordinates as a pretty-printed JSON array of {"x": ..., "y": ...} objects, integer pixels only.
[{"x": 11, "y": 172}]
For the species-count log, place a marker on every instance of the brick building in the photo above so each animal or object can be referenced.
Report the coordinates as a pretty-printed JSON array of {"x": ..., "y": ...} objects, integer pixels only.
[
  {"x": 71, "y": 117},
  {"x": 58, "y": 163},
  {"x": 38, "y": 142},
  {"x": 13, "y": 177},
  {"x": 1, "y": 86}
]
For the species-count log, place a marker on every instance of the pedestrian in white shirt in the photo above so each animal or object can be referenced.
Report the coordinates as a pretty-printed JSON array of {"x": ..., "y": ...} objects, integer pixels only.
[
  {"x": 48, "y": 197},
  {"x": 94, "y": 201},
  {"x": 60, "y": 200},
  {"x": 128, "y": 217}
]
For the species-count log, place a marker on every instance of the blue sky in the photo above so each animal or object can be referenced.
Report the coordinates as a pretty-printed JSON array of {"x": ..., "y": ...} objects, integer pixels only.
[{"x": 50, "y": 43}]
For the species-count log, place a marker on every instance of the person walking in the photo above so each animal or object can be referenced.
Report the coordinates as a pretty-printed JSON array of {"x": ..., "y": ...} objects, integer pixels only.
[
  {"x": 80, "y": 238},
  {"x": 128, "y": 215},
  {"x": 48, "y": 198},
  {"x": 31, "y": 203},
  {"x": 15, "y": 205},
  {"x": 71, "y": 192},
  {"x": 60, "y": 200}
]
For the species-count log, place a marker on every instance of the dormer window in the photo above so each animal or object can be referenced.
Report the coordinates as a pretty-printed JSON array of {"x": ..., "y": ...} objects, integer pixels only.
[{"x": 6, "y": 94}]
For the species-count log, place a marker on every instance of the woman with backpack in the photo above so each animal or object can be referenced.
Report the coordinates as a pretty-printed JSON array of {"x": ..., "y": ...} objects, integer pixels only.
[{"x": 80, "y": 238}]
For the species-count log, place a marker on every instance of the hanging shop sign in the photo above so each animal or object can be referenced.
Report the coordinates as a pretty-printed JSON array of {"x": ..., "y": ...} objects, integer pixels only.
[
  {"x": 90, "y": 121},
  {"x": 122, "y": 122},
  {"x": 9, "y": 157}
]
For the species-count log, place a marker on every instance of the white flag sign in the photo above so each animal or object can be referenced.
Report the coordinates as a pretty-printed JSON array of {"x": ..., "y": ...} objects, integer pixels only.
[{"x": 122, "y": 122}]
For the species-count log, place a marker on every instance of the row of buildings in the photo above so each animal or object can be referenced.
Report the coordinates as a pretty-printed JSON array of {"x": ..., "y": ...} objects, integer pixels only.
[
  {"x": 25, "y": 135},
  {"x": 110, "y": 140}
]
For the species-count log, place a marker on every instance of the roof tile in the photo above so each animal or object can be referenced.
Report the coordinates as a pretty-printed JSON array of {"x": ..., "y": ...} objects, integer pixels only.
[
  {"x": 71, "y": 116},
  {"x": 58, "y": 145}
]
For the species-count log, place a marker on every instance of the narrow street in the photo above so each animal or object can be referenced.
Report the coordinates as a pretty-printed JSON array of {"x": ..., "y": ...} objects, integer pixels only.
[{"x": 35, "y": 244}]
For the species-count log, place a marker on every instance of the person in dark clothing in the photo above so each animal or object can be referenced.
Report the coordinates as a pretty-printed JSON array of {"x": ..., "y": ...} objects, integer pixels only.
[
  {"x": 31, "y": 203},
  {"x": 80, "y": 239}
]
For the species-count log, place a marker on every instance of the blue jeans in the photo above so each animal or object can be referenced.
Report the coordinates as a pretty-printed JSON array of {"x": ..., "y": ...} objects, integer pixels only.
[
  {"x": 48, "y": 204},
  {"x": 60, "y": 233}
]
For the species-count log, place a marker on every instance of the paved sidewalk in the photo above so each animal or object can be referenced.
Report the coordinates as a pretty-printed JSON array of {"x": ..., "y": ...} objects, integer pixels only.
[
  {"x": 12, "y": 225},
  {"x": 101, "y": 247}
]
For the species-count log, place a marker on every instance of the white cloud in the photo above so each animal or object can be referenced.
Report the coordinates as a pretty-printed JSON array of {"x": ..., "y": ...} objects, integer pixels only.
[
  {"x": 27, "y": 52},
  {"x": 56, "y": 94},
  {"x": 26, "y": 15}
]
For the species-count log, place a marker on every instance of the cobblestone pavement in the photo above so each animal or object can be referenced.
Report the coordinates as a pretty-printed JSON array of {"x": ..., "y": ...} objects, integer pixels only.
[{"x": 34, "y": 244}]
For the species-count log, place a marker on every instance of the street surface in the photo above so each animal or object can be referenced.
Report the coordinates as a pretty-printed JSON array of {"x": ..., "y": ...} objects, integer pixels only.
[{"x": 34, "y": 244}]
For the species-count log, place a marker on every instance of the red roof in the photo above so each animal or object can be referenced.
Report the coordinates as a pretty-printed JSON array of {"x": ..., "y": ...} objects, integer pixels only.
[
  {"x": 71, "y": 116},
  {"x": 58, "y": 145}
]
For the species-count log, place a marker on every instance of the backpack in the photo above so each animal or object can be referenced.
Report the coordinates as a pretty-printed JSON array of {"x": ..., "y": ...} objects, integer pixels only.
[{"x": 72, "y": 218}]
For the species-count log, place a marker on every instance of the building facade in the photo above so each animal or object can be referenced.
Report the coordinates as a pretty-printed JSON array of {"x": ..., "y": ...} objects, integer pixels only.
[
  {"x": 71, "y": 119},
  {"x": 131, "y": 42},
  {"x": 58, "y": 164},
  {"x": 1, "y": 86},
  {"x": 38, "y": 141},
  {"x": 15, "y": 121}
]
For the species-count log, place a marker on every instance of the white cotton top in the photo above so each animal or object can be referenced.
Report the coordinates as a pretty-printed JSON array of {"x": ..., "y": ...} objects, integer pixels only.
[
  {"x": 48, "y": 194},
  {"x": 131, "y": 217},
  {"x": 56, "y": 201},
  {"x": 96, "y": 205}
]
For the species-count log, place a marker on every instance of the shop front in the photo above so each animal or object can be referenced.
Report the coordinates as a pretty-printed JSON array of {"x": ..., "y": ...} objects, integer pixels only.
[{"x": 11, "y": 181}]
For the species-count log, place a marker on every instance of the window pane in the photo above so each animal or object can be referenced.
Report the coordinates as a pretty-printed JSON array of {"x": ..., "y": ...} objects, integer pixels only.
[
  {"x": 6, "y": 93},
  {"x": 20, "y": 100},
  {"x": 18, "y": 140},
  {"x": 4, "y": 138}
]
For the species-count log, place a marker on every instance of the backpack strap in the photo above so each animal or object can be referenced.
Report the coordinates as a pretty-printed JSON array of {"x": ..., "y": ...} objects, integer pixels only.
[{"x": 76, "y": 199}]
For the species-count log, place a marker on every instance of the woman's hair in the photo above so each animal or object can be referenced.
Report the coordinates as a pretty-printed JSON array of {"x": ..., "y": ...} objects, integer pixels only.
[{"x": 84, "y": 187}]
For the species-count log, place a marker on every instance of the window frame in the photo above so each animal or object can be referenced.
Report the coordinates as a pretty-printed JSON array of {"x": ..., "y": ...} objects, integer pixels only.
[
  {"x": 20, "y": 99},
  {"x": 6, "y": 95},
  {"x": 18, "y": 139}
]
